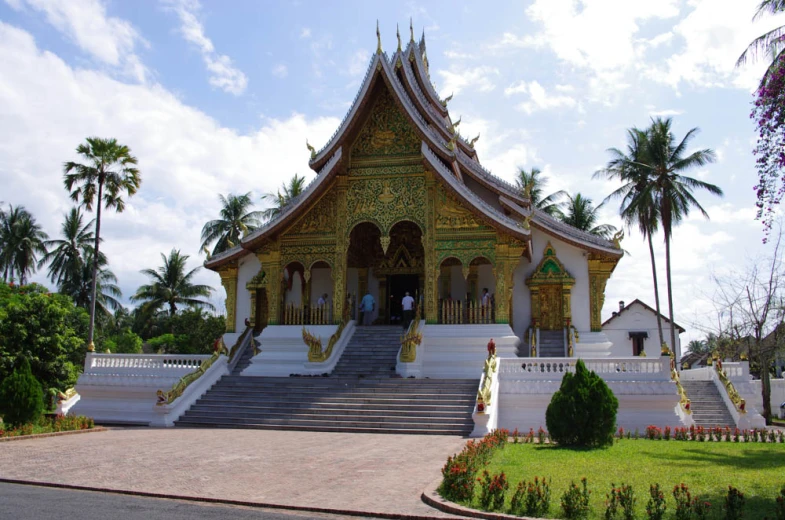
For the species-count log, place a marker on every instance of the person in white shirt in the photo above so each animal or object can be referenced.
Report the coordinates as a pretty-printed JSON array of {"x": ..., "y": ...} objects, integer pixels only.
[
  {"x": 408, "y": 310},
  {"x": 322, "y": 300}
]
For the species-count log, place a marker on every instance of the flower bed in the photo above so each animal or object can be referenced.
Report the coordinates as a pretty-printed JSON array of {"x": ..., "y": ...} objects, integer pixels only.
[{"x": 60, "y": 423}]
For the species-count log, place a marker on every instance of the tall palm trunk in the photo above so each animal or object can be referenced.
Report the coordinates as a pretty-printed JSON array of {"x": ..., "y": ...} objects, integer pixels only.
[
  {"x": 656, "y": 289},
  {"x": 670, "y": 289},
  {"x": 95, "y": 262}
]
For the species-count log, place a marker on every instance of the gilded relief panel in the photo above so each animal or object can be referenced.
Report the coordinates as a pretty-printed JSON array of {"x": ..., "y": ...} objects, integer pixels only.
[
  {"x": 387, "y": 132},
  {"x": 386, "y": 201},
  {"x": 452, "y": 216},
  {"x": 320, "y": 219}
]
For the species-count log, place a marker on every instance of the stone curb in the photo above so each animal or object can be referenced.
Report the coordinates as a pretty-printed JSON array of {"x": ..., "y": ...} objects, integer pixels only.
[
  {"x": 52, "y": 434},
  {"x": 431, "y": 497},
  {"x": 222, "y": 501}
]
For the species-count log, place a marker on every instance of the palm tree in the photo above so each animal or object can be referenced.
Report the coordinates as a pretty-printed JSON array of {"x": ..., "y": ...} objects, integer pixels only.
[
  {"x": 21, "y": 239},
  {"x": 629, "y": 170},
  {"x": 671, "y": 191},
  {"x": 291, "y": 191},
  {"x": 235, "y": 222},
  {"x": 770, "y": 43},
  {"x": 172, "y": 286},
  {"x": 109, "y": 170},
  {"x": 579, "y": 212},
  {"x": 530, "y": 182},
  {"x": 66, "y": 255},
  {"x": 78, "y": 283}
]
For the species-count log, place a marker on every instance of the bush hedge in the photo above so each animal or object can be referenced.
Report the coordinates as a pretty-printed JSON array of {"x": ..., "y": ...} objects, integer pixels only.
[{"x": 21, "y": 396}]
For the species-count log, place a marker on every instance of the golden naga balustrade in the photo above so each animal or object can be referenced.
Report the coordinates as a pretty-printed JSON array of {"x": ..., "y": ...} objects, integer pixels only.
[
  {"x": 412, "y": 338},
  {"x": 484, "y": 393},
  {"x": 733, "y": 394}
]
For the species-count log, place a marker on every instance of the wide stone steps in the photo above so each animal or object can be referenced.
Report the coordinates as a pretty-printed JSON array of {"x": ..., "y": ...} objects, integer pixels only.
[
  {"x": 551, "y": 343},
  {"x": 371, "y": 353},
  {"x": 707, "y": 405}
]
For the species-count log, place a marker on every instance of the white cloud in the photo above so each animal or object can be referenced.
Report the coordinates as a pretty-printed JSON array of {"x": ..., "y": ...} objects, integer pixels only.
[
  {"x": 539, "y": 99},
  {"x": 280, "y": 71},
  {"x": 186, "y": 158},
  {"x": 477, "y": 78},
  {"x": 358, "y": 63},
  {"x": 668, "y": 112},
  {"x": 516, "y": 88},
  {"x": 110, "y": 40},
  {"x": 224, "y": 74},
  {"x": 305, "y": 33}
]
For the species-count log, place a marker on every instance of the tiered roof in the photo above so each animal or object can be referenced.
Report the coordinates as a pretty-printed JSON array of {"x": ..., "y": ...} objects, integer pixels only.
[{"x": 453, "y": 159}]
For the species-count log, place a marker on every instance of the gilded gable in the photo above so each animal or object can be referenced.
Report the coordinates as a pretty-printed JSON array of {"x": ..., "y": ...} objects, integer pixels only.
[
  {"x": 387, "y": 131},
  {"x": 320, "y": 219}
]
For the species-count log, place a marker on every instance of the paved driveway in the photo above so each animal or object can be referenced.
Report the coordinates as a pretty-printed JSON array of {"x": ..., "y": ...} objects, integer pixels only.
[{"x": 341, "y": 471}]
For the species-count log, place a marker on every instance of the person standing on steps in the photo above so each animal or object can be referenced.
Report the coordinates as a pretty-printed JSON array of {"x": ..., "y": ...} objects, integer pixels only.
[
  {"x": 367, "y": 306},
  {"x": 408, "y": 310}
]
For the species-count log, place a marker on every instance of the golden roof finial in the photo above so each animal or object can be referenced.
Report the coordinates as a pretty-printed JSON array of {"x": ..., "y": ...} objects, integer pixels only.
[
  {"x": 311, "y": 148},
  {"x": 446, "y": 100},
  {"x": 378, "y": 39},
  {"x": 411, "y": 29},
  {"x": 471, "y": 143},
  {"x": 617, "y": 238},
  {"x": 458, "y": 122},
  {"x": 398, "y": 34}
]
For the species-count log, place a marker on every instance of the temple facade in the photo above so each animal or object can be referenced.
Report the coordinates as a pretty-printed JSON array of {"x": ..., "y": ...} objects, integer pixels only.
[{"x": 401, "y": 203}]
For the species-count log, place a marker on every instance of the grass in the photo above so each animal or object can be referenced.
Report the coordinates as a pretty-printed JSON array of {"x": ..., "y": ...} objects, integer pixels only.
[{"x": 756, "y": 469}]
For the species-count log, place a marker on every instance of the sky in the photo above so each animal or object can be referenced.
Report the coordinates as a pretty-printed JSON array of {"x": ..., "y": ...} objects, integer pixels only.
[{"x": 219, "y": 97}]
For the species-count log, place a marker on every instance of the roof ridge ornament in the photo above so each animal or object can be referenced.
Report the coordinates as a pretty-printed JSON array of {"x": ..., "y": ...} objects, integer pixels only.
[
  {"x": 311, "y": 148},
  {"x": 455, "y": 124},
  {"x": 398, "y": 34},
  {"x": 378, "y": 39},
  {"x": 447, "y": 100},
  {"x": 471, "y": 143},
  {"x": 411, "y": 29},
  {"x": 617, "y": 238}
]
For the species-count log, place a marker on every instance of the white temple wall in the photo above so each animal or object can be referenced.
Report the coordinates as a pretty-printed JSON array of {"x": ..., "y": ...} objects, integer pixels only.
[
  {"x": 321, "y": 282},
  {"x": 249, "y": 267},
  {"x": 637, "y": 318}
]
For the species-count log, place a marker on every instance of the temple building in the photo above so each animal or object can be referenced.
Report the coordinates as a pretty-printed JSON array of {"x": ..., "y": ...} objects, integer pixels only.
[{"x": 401, "y": 203}]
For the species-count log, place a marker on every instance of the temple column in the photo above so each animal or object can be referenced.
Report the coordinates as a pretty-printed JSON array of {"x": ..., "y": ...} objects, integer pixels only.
[
  {"x": 430, "y": 268},
  {"x": 229, "y": 281},
  {"x": 600, "y": 269},
  {"x": 271, "y": 265},
  {"x": 341, "y": 248}
]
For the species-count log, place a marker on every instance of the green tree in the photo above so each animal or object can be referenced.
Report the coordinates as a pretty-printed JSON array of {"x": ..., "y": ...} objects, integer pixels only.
[
  {"x": 235, "y": 222},
  {"x": 698, "y": 346},
  {"x": 635, "y": 211},
  {"x": 108, "y": 172},
  {"x": 172, "y": 286},
  {"x": 279, "y": 200},
  {"x": 21, "y": 240},
  {"x": 579, "y": 212},
  {"x": 66, "y": 255},
  {"x": 771, "y": 43},
  {"x": 79, "y": 283},
  {"x": 21, "y": 396},
  {"x": 666, "y": 160},
  {"x": 47, "y": 330},
  {"x": 532, "y": 183},
  {"x": 125, "y": 342}
]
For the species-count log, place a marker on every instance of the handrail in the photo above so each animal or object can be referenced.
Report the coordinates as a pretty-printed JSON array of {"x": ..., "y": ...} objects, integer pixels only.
[
  {"x": 733, "y": 394},
  {"x": 240, "y": 345},
  {"x": 180, "y": 386},
  {"x": 484, "y": 393},
  {"x": 684, "y": 401},
  {"x": 315, "y": 353},
  {"x": 411, "y": 339},
  {"x": 533, "y": 342}
]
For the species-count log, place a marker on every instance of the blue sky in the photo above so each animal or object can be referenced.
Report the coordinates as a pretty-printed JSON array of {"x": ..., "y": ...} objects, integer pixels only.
[{"x": 217, "y": 100}]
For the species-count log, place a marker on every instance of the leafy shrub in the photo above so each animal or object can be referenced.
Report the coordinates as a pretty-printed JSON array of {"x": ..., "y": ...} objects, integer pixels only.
[
  {"x": 21, "y": 396},
  {"x": 458, "y": 474},
  {"x": 655, "y": 508},
  {"x": 687, "y": 506},
  {"x": 583, "y": 411},
  {"x": 531, "y": 498},
  {"x": 125, "y": 343},
  {"x": 167, "y": 343},
  {"x": 492, "y": 490},
  {"x": 734, "y": 504},
  {"x": 575, "y": 501}
]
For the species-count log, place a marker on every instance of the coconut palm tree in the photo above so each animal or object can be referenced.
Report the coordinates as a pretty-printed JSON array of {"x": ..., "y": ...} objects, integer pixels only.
[
  {"x": 771, "y": 44},
  {"x": 579, "y": 212},
  {"x": 21, "y": 240},
  {"x": 531, "y": 182},
  {"x": 172, "y": 286},
  {"x": 66, "y": 255},
  {"x": 280, "y": 200},
  {"x": 669, "y": 189},
  {"x": 78, "y": 281},
  {"x": 235, "y": 222},
  {"x": 628, "y": 169},
  {"x": 108, "y": 172}
]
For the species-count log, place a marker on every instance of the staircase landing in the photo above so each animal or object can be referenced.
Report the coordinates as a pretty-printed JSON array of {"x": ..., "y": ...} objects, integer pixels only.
[{"x": 708, "y": 408}]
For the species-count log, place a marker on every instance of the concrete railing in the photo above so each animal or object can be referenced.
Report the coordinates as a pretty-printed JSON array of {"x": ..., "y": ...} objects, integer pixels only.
[
  {"x": 486, "y": 409},
  {"x": 142, "y": 364},
  {"x": 610, "y": 369}
]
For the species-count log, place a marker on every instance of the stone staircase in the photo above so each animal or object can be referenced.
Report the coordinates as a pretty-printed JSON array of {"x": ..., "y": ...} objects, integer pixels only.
[
  {"x": 708, "y": 408},
  {"x": 551, "y": 343},
  {"x": 360, "y": 396}
]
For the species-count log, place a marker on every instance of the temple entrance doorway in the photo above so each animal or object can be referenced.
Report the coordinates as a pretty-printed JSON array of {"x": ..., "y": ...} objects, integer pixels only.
[
  {"x": 399, "y": 285},
  {"x": 551, "y": 314}
]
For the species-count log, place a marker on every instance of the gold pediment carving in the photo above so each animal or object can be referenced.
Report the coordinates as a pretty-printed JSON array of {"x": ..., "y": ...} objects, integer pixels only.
[
  {"x": 388, "y": 131},
  {"x": 451, "y": 215}
]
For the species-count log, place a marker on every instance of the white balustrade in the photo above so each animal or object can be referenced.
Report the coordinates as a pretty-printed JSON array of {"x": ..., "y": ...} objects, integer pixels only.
[
  {"x": 610, "y": 369},
  {"x": 143, "y": 364},
  {"x": 736, "y": 370}
]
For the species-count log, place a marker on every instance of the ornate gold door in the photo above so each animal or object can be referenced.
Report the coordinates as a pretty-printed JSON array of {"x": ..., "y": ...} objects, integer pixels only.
[{"x": 551, "y": 316}]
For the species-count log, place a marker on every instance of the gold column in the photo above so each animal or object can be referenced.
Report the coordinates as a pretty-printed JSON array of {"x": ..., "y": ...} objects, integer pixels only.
[
  {"x": 535, "y": 292},
  {"x": 600, "y": 269},
  {"x": 508, "y": 254},
  {"x": 229, "y": 281},
  {"x": 431, "y": 270},
  {"x": 341, "y": 248},
  {"x": 271, "y": 264}
]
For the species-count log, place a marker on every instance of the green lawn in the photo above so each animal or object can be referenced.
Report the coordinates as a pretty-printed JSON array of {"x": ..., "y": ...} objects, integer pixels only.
[{"x": 758, "y": 470}]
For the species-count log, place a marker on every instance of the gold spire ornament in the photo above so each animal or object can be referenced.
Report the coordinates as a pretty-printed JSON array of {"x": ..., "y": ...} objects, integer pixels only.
[
  {"x": 446, "y": 100},
  {"x": 378, "y": 39},
  {"x": 411, "y": 30},
  {"x": 471, "y": 143},
  {"x": 398, "y": 34},
  {"x": 311, "y": 148},
  {"x": 617, "y": 238},
  {"x": 455, "y": 124}
]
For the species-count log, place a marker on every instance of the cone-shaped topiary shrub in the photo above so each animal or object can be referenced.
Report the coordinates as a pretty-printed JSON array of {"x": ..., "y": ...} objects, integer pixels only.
[
  {"x": 21, "y": 396},
  {"x": 583, "y": 411}
]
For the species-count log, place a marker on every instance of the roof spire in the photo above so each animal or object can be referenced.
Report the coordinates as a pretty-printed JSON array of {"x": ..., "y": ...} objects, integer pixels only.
[
  {"x": 378, "y": 39},
  {"x": 311, "y": 149},
  {"x": 398, "y": 34},
  {"x": 411, "y": 29}
]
